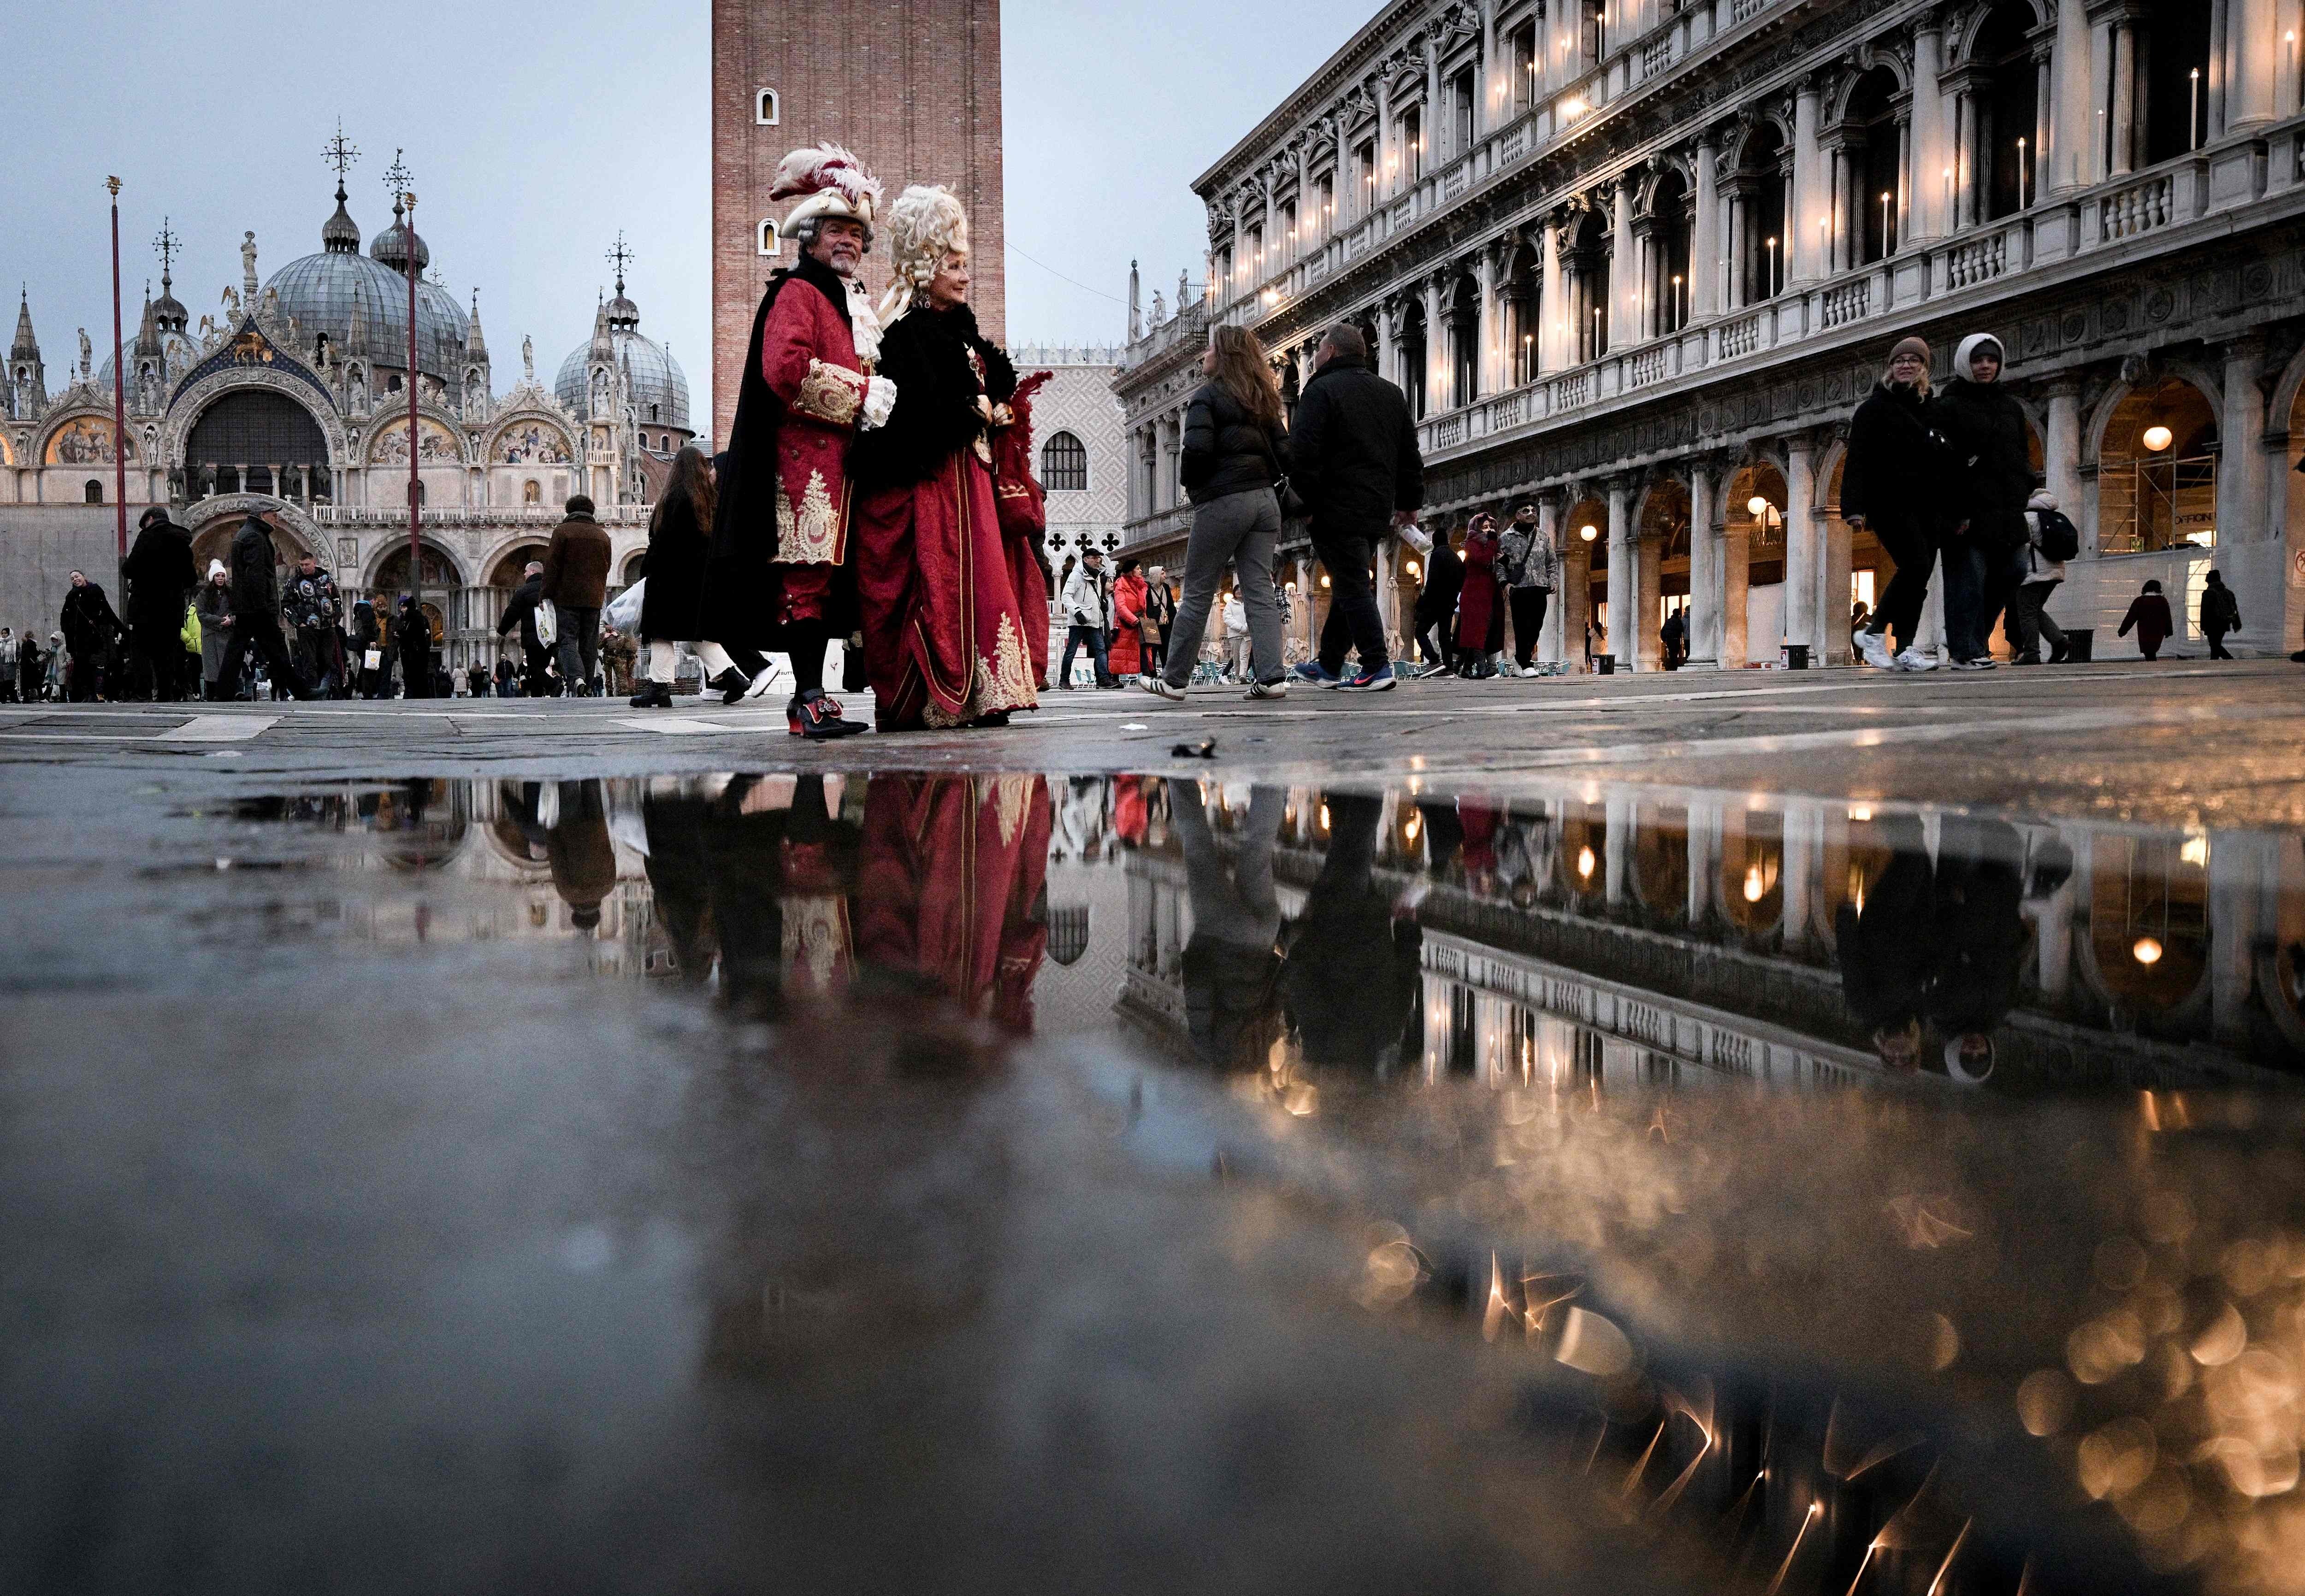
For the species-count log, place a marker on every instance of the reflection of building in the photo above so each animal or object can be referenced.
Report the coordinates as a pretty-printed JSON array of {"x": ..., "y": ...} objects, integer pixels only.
[
  {"x": 1643, "y": 267},
  {"x": 292, "y": 404},
  {"x": 484, "y": 852},
  {"x": 1658, "y": 934}
]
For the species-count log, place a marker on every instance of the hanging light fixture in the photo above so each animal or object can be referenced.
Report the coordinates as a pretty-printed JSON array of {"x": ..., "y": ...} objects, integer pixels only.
[
  {"x": 1589, "y": 532},
  {"x": 2158, "y": 437}
]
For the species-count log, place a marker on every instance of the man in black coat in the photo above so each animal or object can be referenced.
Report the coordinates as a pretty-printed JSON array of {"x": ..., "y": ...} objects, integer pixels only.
[
  {"x": 161, "y": 577},
  {"x": 256, "y": 611},
  {"x": 412, "y": 640},
  {"x": 1356, "y": 467},
  {"x": 520, "y": 611},
  {"x": 90, "y": 631}
]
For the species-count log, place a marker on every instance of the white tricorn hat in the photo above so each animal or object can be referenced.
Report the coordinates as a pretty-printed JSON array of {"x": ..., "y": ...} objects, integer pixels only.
[
  {"x": 828, "y": 182},
  {"x": 925, "y": 224}
]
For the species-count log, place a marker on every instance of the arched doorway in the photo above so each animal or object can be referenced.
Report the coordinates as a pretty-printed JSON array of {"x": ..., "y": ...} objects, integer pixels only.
[
  {"x": 1666, "y": 233},
  {"x": 1588, "y": 295},
  {"x": 1413, "y": 360},
  {"x": 213, "y": 539},
  {"x": 1583, "y": 542},
  {"x": 1873, "y": 138},
  {"x": 1757, "y": 193},
  {"x": 2156, "y": 480}
]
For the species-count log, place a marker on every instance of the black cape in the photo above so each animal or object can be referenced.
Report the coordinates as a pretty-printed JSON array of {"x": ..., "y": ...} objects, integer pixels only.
[{"x": 739, "y": 588}]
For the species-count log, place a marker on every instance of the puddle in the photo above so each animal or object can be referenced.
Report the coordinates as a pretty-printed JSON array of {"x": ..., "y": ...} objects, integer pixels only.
[{"x": 1157, "y": 1182}]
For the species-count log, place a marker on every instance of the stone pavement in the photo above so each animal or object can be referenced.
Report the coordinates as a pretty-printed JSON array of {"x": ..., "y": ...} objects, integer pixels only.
[{"x": 2174, "y": 743}]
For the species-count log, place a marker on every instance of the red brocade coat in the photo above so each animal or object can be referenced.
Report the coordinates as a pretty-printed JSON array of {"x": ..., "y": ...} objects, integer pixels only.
[
  {"x": 781, "y": 529},
  {"x": 946, "y": 639}
]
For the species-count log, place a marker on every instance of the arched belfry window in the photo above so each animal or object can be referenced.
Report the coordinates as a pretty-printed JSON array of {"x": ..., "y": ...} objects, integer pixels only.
[
  {"x": 767, "y": 110},
  {"x": 1064, "y": 464},
  {"x": 770, "y": 243}
]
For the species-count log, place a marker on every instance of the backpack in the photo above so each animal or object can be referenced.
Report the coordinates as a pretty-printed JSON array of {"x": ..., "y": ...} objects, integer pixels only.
[{"x": 2059, "y": 540}]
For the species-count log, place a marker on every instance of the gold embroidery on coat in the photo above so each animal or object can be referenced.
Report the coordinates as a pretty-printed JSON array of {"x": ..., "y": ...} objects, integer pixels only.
[
  {"x": 808, "y": 534},
  {"x": 830, "y": 394}
]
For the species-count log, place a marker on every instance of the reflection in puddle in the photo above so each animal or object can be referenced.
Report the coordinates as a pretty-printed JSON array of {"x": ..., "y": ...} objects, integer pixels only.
[
  {"x": 1893, "y": 1337},
  {"x": 1639, "y": 935}
]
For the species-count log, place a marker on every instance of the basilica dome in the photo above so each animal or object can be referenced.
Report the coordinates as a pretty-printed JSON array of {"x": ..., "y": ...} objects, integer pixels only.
[
  {"x": 322, "y": 292},
  {"x": 659, "y": 389}
]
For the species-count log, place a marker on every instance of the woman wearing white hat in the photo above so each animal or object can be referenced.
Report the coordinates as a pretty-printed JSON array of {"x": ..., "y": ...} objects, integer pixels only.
[{"x": 214, "y": 606}]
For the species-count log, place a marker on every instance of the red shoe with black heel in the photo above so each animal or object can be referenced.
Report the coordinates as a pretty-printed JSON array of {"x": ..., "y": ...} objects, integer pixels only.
[{"x": 812, "y": 715}]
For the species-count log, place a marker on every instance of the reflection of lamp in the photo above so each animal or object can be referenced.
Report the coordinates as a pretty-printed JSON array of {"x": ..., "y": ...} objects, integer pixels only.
[
  {"x": 1324, "y": 579},
  {"x": 1410, "y": 567},
  {"x": 1754, "y": 890},
  {"x": 2195, "y": 852},
  {"x": 1409, "y": 829},
  {"x": 2158, "y": 437},
  {"x": 2148, "y": 951},
  {"x": 1585, "y": 862},
  {"x": 1589, "y": 532}
]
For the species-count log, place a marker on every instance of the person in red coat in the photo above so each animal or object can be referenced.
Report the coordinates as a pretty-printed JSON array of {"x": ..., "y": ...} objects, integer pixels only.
[
  {"x": 945, "y": 637},
  {"x": 2149, "y": 612},
  {"x": 1023, "y": 517},
  {"x": 780, "y": 535},
  {"x": 1126, "y": 652},
  {"x": 1479, "y": 606}
]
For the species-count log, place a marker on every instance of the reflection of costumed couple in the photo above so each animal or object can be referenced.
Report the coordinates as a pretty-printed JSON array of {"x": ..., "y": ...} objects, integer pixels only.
[{"x": 823, "y": 447}]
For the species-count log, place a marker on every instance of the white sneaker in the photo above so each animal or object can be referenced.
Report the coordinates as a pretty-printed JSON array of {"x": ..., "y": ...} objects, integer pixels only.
[
  {"x": 1873, "y": 647},
  {"x": 760, "y": 683},
  {"x": 1913, "y": 660}
]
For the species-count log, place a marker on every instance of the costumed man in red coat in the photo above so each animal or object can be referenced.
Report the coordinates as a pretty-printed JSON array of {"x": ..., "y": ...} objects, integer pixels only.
[{"x": 780, "y": 576}]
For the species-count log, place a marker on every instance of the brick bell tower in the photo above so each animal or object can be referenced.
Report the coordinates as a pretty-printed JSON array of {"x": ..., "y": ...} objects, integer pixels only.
[{"x": 912, "y": 86}]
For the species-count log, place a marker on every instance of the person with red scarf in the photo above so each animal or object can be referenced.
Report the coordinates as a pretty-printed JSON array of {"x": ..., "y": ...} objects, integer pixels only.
[{"x": 946, "y": 639}]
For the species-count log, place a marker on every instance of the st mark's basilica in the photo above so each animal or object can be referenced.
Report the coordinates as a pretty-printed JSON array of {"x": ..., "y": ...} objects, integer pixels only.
[{"x": 290, "y": 402}]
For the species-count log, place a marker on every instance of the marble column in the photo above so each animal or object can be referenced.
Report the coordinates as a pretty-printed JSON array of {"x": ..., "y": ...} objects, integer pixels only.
[
  {"x": 1733, "y": 290},
  {"x": 2061, "y": 448},
  {"x": 1551, "y": 305},
  {"x": 1487, "y": 354},
  {"x": 2071, "y": 109},
  {"x": 1834, "y": 557},
  {"x": 1624, "y": 592},
  {"x": 1802, "y": 545},
  {"x": 1932, "y": 150},
  {"x": 1736, "y": 580},
  {"x": 1648, "y": 603},
  {"x": 2242, "y": 511},
  {"x": 1576, "y": 595},
  {"x": 1704, "y": 567},
  {"x": 1968, "y": 171},
  {"x": 1624, "y": 268},
  {"x": 1806, "y": 201},
  {"x": 1549, "y": 640},
  {"x": 2124, "y": 97},
  {"x": 1436, "y": 348},
  {"x": 2253, "y": 56},
  {"x": 1705, "y": 251}
]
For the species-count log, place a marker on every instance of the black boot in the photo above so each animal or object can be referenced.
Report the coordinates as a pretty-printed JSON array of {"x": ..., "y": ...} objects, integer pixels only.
[
  {"x": 653, "y": 695},
  {"x": 812, "y": 715},
  {"x": 733, "y": 683}
]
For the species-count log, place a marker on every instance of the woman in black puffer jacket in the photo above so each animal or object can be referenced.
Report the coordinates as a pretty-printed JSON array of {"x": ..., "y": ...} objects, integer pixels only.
[
  {"x": 1236, "y": 449},
  {"x": 1983, "y": 555},
  {"x": 1893, "y": 485}
]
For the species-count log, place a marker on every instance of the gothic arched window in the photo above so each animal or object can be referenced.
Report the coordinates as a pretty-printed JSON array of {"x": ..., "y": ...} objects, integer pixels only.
[
  {"x": 93, "y": 493},
  {"x": 1064, "y": 464}
]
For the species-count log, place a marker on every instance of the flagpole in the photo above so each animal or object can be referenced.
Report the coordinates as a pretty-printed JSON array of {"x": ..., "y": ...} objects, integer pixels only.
[{"x": 119, "y": 403}]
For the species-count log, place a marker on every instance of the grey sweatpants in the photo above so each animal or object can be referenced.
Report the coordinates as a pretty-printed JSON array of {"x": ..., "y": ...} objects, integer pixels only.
[{"x": 1241, "y": 529}]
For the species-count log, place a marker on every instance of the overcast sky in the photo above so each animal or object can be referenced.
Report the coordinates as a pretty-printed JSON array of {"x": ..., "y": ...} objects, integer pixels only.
[{"x": 533, "y": 137}]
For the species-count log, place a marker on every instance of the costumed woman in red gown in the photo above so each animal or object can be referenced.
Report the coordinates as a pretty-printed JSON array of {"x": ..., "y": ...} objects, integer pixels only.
[{"x": 946, "y": 642}]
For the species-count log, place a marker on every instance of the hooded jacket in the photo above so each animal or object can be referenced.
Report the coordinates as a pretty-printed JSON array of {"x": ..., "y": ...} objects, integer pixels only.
[{"x": 1986, "y": 426}]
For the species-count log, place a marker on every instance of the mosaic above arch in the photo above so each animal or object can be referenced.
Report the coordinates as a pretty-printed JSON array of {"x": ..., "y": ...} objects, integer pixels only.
[
  {"x": 84, "y": 440},
  {"x": 531, "y": 443},
  {"x": 436, "y": 444}
]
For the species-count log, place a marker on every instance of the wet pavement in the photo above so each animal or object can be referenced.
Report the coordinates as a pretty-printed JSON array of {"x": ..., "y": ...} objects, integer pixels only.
[{"x": 1472, "y": 1171}]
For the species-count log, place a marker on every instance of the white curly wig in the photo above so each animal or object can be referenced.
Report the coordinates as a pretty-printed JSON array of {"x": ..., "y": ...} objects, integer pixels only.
[{"x": 925, "y": 224}]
